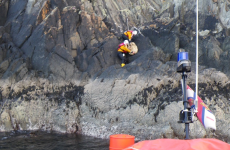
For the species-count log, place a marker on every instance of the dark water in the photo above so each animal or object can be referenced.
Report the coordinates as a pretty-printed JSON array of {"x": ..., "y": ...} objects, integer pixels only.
[{"x": 25, "y": 140}]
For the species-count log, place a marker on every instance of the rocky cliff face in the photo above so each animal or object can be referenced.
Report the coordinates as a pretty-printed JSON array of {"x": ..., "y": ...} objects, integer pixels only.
[{"x": 59, "y": 68}]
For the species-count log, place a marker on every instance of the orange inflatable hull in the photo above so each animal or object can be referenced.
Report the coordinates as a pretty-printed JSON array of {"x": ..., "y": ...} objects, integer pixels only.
[{"x": 176, "y": 144}]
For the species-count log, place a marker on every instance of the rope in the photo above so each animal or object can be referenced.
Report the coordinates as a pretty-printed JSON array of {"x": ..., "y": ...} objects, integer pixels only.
[{"x": 127, "y": 23}]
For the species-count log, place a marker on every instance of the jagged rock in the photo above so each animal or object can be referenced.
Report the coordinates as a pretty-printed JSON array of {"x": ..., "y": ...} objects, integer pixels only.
[
  {"x": 16, "y": 71},
  {"x": 213, "y": 49},
  {"x": 22, "y": 27},
  {"x": 59, "y": 4},
  {"x": 119, "y": 13},
  {"x": 44, "y": 56},
  {"x": 226, "y": 44},
  {"x": 62, "y": 110},
  {"x": 4, "y": 6},
  {"x": 93, "y": 60},
  {"x": 2, "y": 56},
  {"x": 168, "y": 41},
  {"x": 70, "y": 19},
  {"x": 204, "y": 33},
  {"x": 92, "y": 30},
  {"x": 3, "y": 67},
  {"x": 1, "y": 33}
]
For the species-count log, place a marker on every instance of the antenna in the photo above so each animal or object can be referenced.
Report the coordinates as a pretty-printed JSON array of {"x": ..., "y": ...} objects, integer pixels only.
[{"x": 197, "y": 46}]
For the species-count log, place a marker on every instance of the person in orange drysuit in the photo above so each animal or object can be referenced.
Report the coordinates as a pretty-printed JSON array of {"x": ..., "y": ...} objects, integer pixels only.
[
  {"x": 122, "y": 51},
  {"x": 128, "y": 35}
]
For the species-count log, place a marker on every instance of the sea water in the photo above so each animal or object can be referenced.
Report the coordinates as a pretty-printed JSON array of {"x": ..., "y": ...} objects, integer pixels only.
[{"x": 38, "y": 140}]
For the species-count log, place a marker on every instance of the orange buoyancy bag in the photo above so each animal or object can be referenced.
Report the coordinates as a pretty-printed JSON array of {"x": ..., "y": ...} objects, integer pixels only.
[{"x": 176, "y": 144}]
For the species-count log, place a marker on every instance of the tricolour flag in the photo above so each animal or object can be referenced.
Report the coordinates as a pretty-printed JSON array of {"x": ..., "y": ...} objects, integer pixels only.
[{"x": 204, "y": 114}]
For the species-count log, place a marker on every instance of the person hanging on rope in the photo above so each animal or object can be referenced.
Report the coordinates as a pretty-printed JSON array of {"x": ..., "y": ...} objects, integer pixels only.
[
  {"x": 128, "y": 35},
  {"x": 123, "y": 51}
]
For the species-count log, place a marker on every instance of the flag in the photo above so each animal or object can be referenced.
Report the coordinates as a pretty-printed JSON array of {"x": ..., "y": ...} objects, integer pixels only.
[{"x": 205, "y": 116}]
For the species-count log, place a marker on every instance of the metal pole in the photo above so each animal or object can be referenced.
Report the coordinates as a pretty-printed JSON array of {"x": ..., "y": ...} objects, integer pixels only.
[{"x": 185, "y": 102}]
